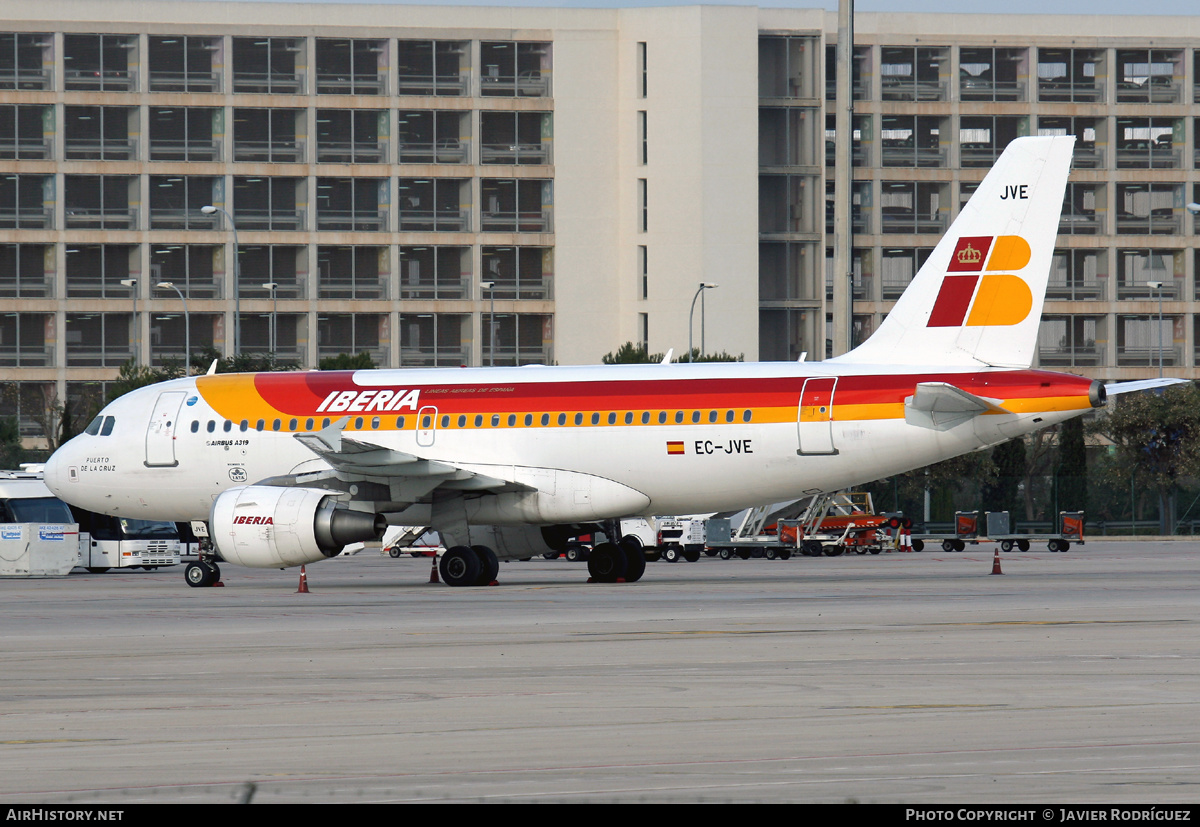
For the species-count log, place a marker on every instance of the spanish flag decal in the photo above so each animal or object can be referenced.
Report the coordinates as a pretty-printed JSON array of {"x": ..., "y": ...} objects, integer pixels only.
[{"x": 674, "y": 448}]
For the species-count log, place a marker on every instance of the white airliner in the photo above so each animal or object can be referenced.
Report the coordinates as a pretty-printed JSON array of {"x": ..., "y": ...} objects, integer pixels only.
[{"x": 288, "y": 468}]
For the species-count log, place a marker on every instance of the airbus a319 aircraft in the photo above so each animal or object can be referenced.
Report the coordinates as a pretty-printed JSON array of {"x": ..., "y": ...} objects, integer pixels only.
[{"x": 288, "y": 468}]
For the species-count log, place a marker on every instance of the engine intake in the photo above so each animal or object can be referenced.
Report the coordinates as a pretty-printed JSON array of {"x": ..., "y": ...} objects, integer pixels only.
[{"x": 267, "y": 526}]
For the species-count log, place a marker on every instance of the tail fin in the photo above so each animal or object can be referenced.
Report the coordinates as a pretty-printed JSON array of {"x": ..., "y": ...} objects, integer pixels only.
[{"x": 978, "y": 298}]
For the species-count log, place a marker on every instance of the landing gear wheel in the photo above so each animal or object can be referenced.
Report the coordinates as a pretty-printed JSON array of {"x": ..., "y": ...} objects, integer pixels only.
[
  {"x": 459, "y": 566},
  {"x": 201, "y": 574},
  {"x": 1006, "y": 545},
  {"x": 607, "y": 563},
  {"x": 635, "y": 559},
  {"x": 489, "y": 566}
]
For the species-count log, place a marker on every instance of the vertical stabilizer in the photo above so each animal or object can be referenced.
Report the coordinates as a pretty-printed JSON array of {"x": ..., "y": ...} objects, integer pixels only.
[{"x": 978, "y": 299}]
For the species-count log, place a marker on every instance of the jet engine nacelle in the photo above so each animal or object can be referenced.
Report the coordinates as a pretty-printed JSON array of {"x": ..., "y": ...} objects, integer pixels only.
[{"x": 268, "y": 526}]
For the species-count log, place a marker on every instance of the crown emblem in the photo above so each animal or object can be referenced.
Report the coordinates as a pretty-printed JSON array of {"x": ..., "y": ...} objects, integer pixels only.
[{"x": 969, "y": 255}]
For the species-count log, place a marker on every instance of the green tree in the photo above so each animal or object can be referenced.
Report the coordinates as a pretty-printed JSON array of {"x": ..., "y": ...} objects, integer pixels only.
[
  {"x": 11, "y": 452},
  {"x": 345, "y": 361},
  {"x": 1002, "y": 491},
  {"x": 631, "y": 354},
  {"x": 1071, "y": 471},
  {"x": 1157, "y": 439}
]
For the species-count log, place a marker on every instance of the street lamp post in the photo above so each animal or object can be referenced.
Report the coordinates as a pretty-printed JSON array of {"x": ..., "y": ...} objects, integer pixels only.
[
  {"x": 187, "y": 326},
  {"x": 1156, "y": 286},
  {"x": 209, "y": 209},
  {"x": 273, "y": 286},
  {"x": 488, "y": 285},
  {"x": 703, "y": 286},
  {"x": 137, "y": 328}
]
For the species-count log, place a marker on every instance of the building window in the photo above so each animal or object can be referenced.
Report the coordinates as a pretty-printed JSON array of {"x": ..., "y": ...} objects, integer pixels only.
[
  {"x": 643, "y": 207},
  {"x": 352, "y": 272},
  {"x": 352, "y": 204},
  {"x": 434, "y": 67},
  {"x": 431, "y": 272},
  {"x": 21, "y": 132},
  {"x": 176, "y": 201},
  {"x": 643, "y": 84},
  {"x": 434, "y": 137},
  {"x": 643, "y": 272},
  {"x": 350, "y": 67},
  {"x": 435, "y": 340},
  {"x": 269, "y": 65},
  {"x": 511, "y": 69},
  {"x": 267, "y": 135},
  {"x": 96, "y": 271},
  {"x": 355, "y": 136},
  {"x": 519, "y": 272},
  {"x": 26, "y": 271},
  {"x": 184, "y": 133},
  {"x": 514, "y": 138},
  {"x": 351, "y": 334},
  {"x": 643, "y": 154},
  {"x": 183, "y": 64}
]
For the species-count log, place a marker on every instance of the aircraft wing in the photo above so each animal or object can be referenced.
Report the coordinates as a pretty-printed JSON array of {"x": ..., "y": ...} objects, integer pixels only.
[
  {"x": 409, "y": 477},
  {"x": 940, "y": 406},
  {"x": 1114, "y": 388}
]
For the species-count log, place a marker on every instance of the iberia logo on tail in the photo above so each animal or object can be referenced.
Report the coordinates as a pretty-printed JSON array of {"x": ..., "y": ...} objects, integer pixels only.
[{"x": 984, "y": 295}]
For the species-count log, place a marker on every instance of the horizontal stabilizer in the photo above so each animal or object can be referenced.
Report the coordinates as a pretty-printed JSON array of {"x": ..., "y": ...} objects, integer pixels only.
[
  {"x": 940, "y": 406},
  {"x": 1115, "y": 388}
]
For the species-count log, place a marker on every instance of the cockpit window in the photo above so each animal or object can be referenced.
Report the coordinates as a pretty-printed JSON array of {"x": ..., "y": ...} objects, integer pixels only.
[
  {"x": 94, "y": 427},
  {"x": 107, "y": 427}
]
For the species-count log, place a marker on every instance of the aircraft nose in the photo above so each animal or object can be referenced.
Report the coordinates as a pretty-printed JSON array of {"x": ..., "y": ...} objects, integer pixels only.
[{"x": 55, "y": 472}]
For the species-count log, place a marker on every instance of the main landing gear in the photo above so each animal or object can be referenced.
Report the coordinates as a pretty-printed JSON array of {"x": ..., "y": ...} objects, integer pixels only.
[
  {"x": 610, "y": 562},
  {"x": 469, "y": 566}
]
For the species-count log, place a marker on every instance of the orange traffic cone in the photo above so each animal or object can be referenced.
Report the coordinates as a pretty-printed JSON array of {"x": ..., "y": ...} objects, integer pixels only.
[
  {"x": 303, "y": 582},
  {"x": 996, "y": 563},
  {"x": 433, "y": 575}
]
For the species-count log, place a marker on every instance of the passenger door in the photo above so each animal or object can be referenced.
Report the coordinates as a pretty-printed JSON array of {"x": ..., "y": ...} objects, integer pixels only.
[
  {"x": 814, "y": 418},
  {"x": 160, "y": 432}
]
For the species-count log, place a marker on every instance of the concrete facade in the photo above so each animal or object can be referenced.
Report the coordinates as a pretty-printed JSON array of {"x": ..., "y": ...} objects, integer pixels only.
[{"x": 382, "y": 163}]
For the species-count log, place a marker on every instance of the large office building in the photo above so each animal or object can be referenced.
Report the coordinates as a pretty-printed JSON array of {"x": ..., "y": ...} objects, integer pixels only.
[{"x": 454, "y": 185}]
